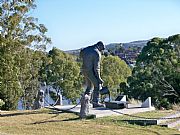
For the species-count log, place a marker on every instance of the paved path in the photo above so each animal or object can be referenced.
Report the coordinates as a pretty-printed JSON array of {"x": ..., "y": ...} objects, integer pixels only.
[
  {"x": 101, "y": 112},
  {"x": 171, "y": 123}
]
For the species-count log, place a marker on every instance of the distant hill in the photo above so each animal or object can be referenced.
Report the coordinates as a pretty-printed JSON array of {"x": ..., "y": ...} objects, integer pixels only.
[
  {"x": 140, "y": 43},
  {"x": 73, "y": 52}
]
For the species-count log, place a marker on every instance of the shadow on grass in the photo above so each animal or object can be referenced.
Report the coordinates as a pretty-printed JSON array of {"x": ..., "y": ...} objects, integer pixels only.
[
  {"x": 20, "y": 113},
  {"x": 52, "y": 121},
  {"x": 68, "y": 119},
  {"x": 29, "y": 113}
]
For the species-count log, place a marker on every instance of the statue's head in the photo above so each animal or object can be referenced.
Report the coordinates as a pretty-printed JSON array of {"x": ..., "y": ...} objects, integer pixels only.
[{"x": 100, "y": 46}]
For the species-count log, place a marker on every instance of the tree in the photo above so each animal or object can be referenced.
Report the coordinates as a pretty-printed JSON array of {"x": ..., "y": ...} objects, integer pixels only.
[
  {"x": 114, "y": 72},
  {"x": 64, "y": 72},
  {"x": 157, "y": 72},
  {"x": 30, "y": 77},
  {"x": 20, "y": 33}
]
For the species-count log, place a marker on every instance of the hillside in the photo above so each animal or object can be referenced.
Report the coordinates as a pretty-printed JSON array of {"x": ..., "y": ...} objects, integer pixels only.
[{"x": 140, "y": 43}]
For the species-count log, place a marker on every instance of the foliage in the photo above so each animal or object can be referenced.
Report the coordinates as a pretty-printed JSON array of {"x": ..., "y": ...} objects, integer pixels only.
[
  {"x": 157, "y": 72},
  {"x": 63, "y": 72},
  {"x": 30, "y": 77},
  {"x": 1, "y": 103},
  {"x": 20, "y": 33},
  {"x": 114, "y": 72}
]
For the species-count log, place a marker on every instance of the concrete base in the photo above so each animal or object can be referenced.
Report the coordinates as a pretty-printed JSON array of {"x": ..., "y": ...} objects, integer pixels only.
[
  {"x": 102, "y": 112},
  {"x": 142, "y": 122},
  {"x": 85, "y": 104}
]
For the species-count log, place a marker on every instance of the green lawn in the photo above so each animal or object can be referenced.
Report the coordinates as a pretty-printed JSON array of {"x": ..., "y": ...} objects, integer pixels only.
[{"x": 46, "y": 122}]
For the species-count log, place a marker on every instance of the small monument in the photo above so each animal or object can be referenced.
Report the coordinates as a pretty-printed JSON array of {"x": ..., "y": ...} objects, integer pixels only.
[
  {"x": 41, "y": 98},
  {"x": 146, "y": 103},
  {"x": 119, "y": 103},
  {"x": 59, "y": 101},
  {"x": 39, "y": 101}
]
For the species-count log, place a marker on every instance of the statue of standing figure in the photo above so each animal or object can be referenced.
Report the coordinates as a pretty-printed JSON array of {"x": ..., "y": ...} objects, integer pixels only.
[{"x": 91, "y": 57}]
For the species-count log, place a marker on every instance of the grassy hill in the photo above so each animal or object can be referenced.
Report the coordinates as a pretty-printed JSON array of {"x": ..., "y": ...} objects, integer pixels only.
[{"x": 47, "y": 122}]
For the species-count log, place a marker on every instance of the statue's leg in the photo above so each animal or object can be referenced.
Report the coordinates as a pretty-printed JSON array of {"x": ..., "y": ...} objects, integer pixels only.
[
  {"x": 85, "y": 99},
  {"x": 89, "y": 86},
  {"x": 96, "y": 90}
]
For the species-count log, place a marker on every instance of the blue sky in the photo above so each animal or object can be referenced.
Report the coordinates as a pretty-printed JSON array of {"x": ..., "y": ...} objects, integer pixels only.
[{"x": 73, "y": 24}]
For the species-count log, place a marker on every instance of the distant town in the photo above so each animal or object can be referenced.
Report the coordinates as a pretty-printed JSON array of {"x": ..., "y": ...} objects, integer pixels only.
[{"x": 126, "y": 51}]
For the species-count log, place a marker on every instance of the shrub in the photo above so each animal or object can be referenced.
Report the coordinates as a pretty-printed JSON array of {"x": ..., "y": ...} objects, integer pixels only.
[{"x": 1, "y": 103}]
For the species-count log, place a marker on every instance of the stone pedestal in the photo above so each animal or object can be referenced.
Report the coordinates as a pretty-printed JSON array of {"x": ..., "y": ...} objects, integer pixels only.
[{"x": 85, "y": 104}]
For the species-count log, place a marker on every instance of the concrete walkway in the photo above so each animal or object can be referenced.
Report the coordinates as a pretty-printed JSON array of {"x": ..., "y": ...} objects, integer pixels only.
[
  {"x": 101, "y": 112},
  {"x": 171, "y": 123}
]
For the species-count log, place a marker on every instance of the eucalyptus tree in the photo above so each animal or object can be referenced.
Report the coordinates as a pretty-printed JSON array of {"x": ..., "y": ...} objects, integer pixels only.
[
  {"x": 20, "y": 37},
  {"x": 114, "y": 72},
  {"x": 63, "y": 72},
  {"x": 157, "y": 72}
]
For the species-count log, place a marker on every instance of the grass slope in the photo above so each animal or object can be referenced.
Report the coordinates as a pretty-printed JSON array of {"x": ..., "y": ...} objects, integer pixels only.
[{"x": 46, "y": 122}]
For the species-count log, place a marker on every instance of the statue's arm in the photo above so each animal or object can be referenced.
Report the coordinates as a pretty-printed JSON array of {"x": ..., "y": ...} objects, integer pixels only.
[{"x": 97, "y": 68}]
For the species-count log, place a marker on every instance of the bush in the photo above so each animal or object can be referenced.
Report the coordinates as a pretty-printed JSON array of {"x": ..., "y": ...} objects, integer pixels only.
[
  {"x": 164, "y": 103},
  {"x": 1, "y": 103}
]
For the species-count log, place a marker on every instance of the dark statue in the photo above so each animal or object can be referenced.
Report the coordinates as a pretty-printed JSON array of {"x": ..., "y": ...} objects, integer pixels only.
[{"x": 91, "y": 57}]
